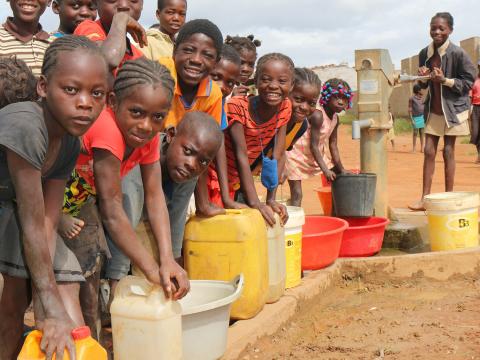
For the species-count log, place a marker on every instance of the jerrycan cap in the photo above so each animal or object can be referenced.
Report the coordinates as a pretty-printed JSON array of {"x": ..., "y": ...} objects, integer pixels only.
[{"x": 81, "y": 333}]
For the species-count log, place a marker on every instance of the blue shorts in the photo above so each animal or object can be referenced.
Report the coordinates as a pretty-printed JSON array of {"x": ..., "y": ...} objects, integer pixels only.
[{"x": 418, "y": 122}]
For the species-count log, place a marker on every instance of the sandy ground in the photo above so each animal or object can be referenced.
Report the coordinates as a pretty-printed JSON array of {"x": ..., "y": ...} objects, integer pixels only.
[
  {"x": 404, "y": 171},
  {"x": 373, "y": 317}
]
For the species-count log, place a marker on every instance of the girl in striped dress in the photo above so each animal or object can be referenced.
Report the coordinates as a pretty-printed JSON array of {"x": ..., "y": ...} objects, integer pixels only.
[{"x": 310, "y": 155}]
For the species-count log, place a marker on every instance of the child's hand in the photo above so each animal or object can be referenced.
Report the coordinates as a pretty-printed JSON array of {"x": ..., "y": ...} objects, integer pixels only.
[
  {"x": 174, "y": 279},
  {"x": 280, "y": 209},
  {"x": 266, "y": 212},
  {"x": 56, "y": 338},
  {"x": 209, "y": 210},
  {"x": 230, "y": 204},
  {"x": 330, "y": 175},
  {"x": 137, "y": 32},
  {"x": 423, "y": 71},
  {"x": 283, "y": 178},
  {"x": 240, "y": 90}
]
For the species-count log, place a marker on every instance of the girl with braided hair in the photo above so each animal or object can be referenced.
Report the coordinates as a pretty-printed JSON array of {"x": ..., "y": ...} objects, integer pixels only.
[
  {"x": 38, "y": 148},
  {"x": 125, "y": 135},
  {"x": 246, "y": 46},
  {"x": 309, "y": 156}
]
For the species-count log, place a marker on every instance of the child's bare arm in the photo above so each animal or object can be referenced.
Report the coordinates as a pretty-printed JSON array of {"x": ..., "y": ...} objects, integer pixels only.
[
  {"x": 202, "y": 203},
  {"x": 246, "y": 178},
  {"x": 115, "y": 44},
  {"x": 222, "y": 173},
  {"x": 56, "y": 325},
  {"x": 160, "y": 224},
  {"x": 332, "y": 144},
  {"x": 316, "y": 121},
  {"x": 106, "y": 168}
]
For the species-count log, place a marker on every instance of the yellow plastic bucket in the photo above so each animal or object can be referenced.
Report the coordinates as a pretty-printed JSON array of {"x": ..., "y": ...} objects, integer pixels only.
[
  {"x": 452, "y": 220},
  {"x": 293, "y": 246}
]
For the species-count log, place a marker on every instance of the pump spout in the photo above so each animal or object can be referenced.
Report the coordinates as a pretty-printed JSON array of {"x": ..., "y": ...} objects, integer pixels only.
[
  {"x": 403, "y": 78},
  {"x": 357, "y": 125}
]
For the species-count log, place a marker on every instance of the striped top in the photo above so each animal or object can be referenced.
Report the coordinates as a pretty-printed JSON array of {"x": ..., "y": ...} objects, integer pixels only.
[
  {"x": 238, "y": 110},
  {"x": 31, "y": 51}
]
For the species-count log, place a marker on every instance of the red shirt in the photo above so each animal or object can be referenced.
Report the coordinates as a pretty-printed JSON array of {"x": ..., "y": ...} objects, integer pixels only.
[
  {"x": 95, "y": 32},
  {"x": 237, "y": 110},
  {"x": 475, "y": 92},
  {"x": 105, "y": 134}
]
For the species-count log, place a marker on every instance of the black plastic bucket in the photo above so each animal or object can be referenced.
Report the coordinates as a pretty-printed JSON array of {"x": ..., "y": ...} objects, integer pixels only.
[{"x": 354, "y": 195}]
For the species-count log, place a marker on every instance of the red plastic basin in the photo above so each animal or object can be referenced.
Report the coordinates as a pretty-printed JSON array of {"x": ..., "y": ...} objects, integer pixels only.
[
  {"x": 363, "y": 237},
  {"x": 321, "y": 240}
]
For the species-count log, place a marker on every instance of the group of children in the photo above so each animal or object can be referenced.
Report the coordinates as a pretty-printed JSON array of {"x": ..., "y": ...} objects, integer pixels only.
[{"x": 110, "y": 128}]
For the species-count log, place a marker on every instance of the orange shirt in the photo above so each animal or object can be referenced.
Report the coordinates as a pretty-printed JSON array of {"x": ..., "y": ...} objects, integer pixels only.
[
  {"x": 95, "y": 32},
  {"x": 208, "y": 98}
]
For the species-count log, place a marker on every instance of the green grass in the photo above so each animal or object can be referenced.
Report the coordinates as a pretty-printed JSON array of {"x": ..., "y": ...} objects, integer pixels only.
[{"x": 465, "y": 140}]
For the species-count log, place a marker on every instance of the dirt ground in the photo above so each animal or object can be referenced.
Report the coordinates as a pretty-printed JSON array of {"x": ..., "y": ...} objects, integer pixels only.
[
  {"x": 373, "y": 317},
  {"x": 404, "y": 171}
]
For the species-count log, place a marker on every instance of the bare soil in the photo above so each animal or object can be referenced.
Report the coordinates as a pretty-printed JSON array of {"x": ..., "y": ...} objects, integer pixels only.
[
  {"x": 374, "y": 317},
  {"x": 404, "y": 171}
]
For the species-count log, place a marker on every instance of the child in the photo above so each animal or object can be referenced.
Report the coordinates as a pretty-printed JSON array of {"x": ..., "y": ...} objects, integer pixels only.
[
  {"x": 391, "y": 131},
  {"x": 186, "y": 152},
  {"x": 197, "y": 51},
  {"x": 247, "y": 49},
  {"x": 39, "y": 148},
  {"x": 225, "y": 74},
  {"x": 116, "y": 18},
  {"x": 415, "y": 110},
  {"x": 23, "y": 36},
  {"x": 125, "y": 135},
  {"x": 452, "y": 75},
  {"x": 475, "y": 115},
  {"x": 309, "y": 156},
  {"x": 304, "y": 98},
  {"x": 71, "y": 13},
  {"x": 17, "y": 84},
  {"x": 253, "y": 122},
  {"x": 171, "y": 15}
]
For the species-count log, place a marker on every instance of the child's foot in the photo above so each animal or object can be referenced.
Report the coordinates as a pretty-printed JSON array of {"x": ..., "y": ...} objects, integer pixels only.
[
  {"x": 69, "y": 226},
  {"x": 418, "y": 206}
]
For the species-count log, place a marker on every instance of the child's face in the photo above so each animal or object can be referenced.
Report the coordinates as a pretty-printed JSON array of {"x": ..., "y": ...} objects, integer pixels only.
[
  {"x": 73, "y": 12},
  {"x": 439, "y": 31},
  {"x": 75, "y": 91},
  {"x": 304, "y": 99},
  {"x": 108, "y": 8},
  {"x": 172, "y": 16},
  {"x": 140, "y": 114},
  {"x": 274, "y": 82},
  {"x": 338, "y": 103},
  {"x": 247, "y": 65},
  {"x": 195, "y": 58},
  {"x": 225, "y": 75},
  {"x": 28, "y": 11},
  {"x": 189, "y": 154}
]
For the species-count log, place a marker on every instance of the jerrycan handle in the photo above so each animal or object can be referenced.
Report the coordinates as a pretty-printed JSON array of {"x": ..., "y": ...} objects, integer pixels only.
[
  {"x": 133, "y": 285},
  {"x": 233, "y": 211}
]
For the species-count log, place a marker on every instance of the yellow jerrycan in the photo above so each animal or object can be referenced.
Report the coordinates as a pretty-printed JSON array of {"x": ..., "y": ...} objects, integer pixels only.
[
  {"x": 145, "y": 325},
  {"x": 221, "y": 247}
]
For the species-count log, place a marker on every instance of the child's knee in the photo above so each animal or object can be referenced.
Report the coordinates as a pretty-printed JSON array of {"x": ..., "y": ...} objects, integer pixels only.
[
  {"x": 429, "y": 152},
  {"x": 448, "y": 152},
  {"x": 296, "y": 190}
]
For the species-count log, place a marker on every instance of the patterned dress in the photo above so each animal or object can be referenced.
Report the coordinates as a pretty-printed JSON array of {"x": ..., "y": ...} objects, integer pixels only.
[{"x": 300, "y": 163}]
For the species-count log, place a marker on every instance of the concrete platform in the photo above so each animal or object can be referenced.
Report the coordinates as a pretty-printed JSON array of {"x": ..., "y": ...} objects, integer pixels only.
[{"x": 438, "y": 265}]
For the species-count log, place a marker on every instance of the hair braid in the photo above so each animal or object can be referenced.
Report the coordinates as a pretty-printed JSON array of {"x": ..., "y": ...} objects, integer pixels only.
[
  {"x": 240, "y": 43},
  {"x": 142, "y": 72},
  {"x": 273, "y": 57},
  {"x": 68, "y": 43},
  {"x": 307, "y": 76},
  {"x": 17, "y": 81}
]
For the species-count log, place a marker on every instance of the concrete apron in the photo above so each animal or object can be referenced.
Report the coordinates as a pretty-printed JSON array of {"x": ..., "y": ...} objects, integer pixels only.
[{"x": 436, "y": 265}]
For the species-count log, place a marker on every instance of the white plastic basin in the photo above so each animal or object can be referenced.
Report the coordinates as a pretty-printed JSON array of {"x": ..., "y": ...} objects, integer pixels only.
[{"x": 206, "y": 316}]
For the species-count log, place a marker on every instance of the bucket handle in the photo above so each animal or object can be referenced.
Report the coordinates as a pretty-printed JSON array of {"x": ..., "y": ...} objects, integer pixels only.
[{"x": 237, "y": 283}]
